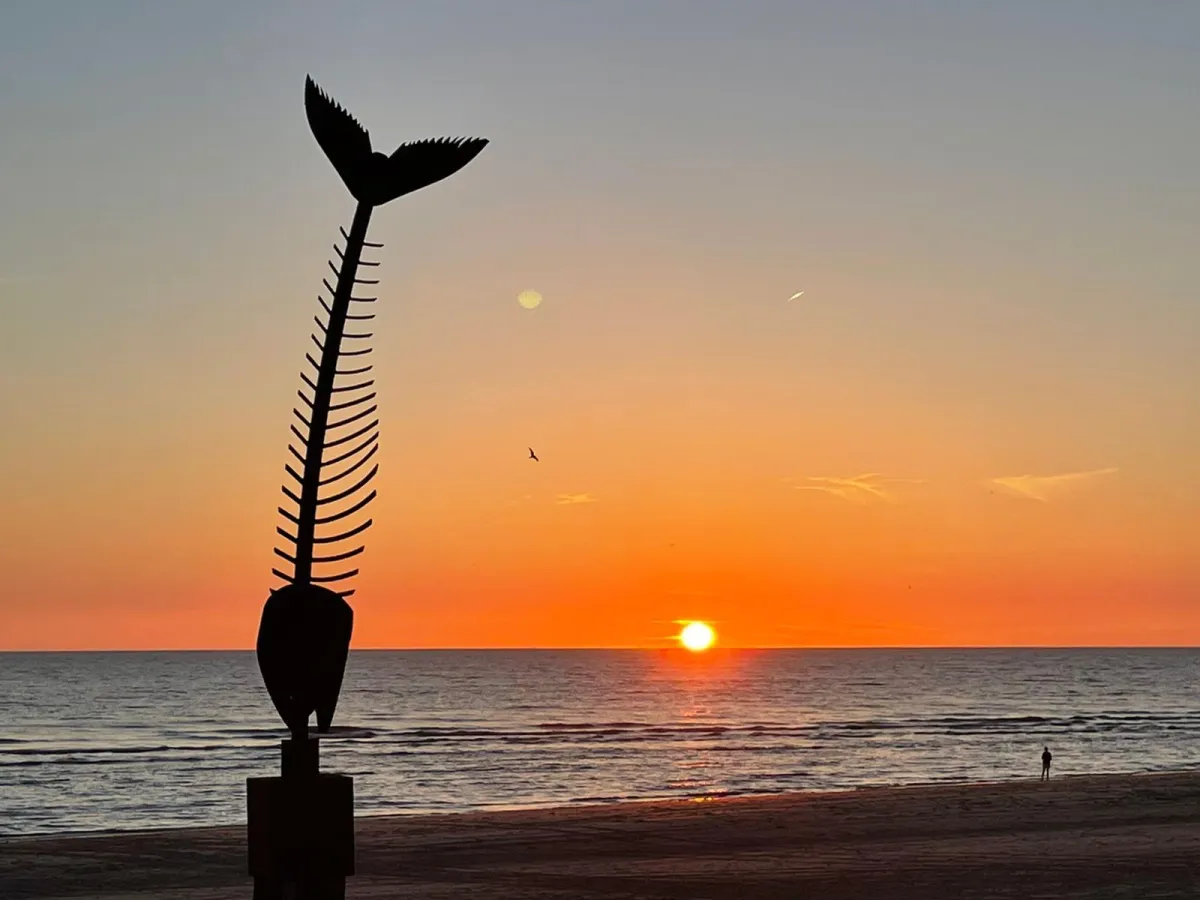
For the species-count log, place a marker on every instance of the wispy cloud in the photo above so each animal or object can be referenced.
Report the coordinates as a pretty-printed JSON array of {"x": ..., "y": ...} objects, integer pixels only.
[
  {"x": 867, "y": 488},
  {"x": 571, "y": 499},
  {"x": 1043, "y": 487}
]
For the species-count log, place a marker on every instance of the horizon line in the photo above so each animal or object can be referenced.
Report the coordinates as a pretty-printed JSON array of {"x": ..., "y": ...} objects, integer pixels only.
[{"x": 626, "y": 648}]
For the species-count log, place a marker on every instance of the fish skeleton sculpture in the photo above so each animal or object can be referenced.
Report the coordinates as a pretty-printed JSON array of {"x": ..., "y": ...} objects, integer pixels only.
[{"x": 304, "y": 634}]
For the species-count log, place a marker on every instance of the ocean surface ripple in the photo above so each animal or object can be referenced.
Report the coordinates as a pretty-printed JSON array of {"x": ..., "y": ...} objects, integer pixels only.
[{"x": 146, "y": 740}]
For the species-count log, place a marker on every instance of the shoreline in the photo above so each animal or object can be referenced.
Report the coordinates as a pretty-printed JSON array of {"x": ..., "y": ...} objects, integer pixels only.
[
  {"x": 1093, "y": 836},
  {"x": 616, "y": 802}
]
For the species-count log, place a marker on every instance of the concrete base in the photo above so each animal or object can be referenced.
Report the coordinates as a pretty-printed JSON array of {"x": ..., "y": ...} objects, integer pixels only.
[{"x": 300, "y": 830}]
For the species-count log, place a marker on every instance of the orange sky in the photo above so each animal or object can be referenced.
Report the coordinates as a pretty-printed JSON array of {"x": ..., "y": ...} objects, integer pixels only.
[
  {"x": 698, "y": 481},
  {"x": 977, "y": 426},
  {"x": 473, "y": 548}
]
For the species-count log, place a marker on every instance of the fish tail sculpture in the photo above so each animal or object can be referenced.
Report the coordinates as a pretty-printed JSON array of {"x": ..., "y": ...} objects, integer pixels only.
[{"x": 304, "y": 633}]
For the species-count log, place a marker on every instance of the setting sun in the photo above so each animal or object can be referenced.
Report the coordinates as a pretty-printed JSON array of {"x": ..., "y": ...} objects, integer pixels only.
[{"x": 697, "y": 636}]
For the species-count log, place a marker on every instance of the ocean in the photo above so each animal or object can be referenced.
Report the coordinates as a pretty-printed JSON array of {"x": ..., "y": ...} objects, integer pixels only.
[{"x": 99, "y": 741}]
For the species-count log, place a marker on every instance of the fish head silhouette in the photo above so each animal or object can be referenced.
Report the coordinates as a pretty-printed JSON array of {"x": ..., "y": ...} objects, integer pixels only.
[
  {"x": 373, "y": 177},
  {"x": 303, "y": 644}
]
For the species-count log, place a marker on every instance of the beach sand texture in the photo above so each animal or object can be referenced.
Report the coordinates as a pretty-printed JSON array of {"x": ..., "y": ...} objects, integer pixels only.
[{"x": 1088, "y": 837}]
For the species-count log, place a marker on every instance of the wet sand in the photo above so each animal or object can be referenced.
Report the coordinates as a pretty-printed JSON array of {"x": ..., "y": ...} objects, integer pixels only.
[{"x": 1095, "y": 837}]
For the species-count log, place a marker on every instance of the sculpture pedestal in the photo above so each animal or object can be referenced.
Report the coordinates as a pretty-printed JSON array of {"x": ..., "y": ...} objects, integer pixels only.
[{"x": 300, "y": 829}]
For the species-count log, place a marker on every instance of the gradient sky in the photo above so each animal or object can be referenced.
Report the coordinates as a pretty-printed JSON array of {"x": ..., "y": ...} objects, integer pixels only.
[{"x": 979, "y": 425}]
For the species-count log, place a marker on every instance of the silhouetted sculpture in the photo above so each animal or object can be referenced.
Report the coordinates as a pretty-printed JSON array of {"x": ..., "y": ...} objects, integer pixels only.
[{"x": 301, "y": 825}]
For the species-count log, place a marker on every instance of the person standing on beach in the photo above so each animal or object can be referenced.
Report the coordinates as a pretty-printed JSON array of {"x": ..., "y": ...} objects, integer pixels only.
[{"x": 1046, "y": 757}]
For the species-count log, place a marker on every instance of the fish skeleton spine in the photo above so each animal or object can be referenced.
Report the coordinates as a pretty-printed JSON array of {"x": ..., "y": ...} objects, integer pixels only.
[{"x": 319, "y": 428}]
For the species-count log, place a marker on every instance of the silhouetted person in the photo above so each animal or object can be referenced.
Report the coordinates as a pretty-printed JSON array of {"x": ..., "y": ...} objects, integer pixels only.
[{"x": 1046, "y": 757}]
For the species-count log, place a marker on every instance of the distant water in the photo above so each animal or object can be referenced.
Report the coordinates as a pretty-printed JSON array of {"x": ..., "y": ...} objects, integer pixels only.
[{"x": 139, "y": 740}]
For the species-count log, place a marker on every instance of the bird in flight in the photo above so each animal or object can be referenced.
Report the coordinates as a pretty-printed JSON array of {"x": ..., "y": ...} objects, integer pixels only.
[{"x": 533, "y": 455}]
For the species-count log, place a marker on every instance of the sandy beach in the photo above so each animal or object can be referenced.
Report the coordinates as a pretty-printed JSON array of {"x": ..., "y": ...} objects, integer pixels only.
[{"x": 1093, "y": 837}]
